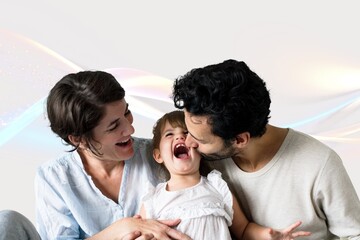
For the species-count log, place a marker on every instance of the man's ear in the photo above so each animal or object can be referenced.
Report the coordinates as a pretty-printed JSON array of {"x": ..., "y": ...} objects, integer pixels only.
[
  {"x": 242, "y": 139},
  {"x": 157, "y": 156}
]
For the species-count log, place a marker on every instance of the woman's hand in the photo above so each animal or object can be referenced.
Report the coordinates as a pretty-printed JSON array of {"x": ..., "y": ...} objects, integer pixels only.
[
  {"x": 287, "y": 233},
  {"x": 137, "y": 228},
  {"x": 137, "y": 236},
  {"x": 152, "y": 229}
]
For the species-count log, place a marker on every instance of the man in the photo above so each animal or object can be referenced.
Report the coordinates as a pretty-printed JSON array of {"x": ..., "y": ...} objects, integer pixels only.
[{"x": 278, "y": 175}]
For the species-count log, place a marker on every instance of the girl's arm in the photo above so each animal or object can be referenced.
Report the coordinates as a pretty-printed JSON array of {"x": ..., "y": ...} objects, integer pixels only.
[
  {"x": 240, "y": 223},
  {"x": 242, "y": 229},
  {"x": 142, "y": 212}
]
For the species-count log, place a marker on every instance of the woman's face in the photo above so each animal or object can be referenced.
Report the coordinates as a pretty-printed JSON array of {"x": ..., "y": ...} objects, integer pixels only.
[
  {"x": 113, "y": 134},
  {"x": 177, "y": 157}
]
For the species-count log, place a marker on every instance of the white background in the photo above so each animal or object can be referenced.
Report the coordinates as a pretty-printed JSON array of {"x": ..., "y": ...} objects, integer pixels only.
[{"x": 307, "y": 51}]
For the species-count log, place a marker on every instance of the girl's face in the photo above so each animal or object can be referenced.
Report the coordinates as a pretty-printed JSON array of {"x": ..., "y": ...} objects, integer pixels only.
[
  {"x": 177, "y": 157},
  {"x": 113, "y": 134}
]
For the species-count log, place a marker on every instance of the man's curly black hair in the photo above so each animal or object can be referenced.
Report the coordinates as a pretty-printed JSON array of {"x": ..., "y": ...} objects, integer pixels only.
[{"x": 234, "y": 98}]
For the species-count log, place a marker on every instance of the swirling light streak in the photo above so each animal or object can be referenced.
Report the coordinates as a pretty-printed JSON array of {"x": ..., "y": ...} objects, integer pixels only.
[
  {"x": 337, "y": 79},
  {"x": 322, "y": 115},
  {"x": 27, "y": 69},
  {"x": 39, "y": 47},
  {"x": 144, "y": 109},
  {"x": 137, "y": 106},
  {"x": 140, "y": 86},
  {"x": 21, "y": 122},
  {"x": 149, "y": 86},
  {"x": 138, "y": 83}
]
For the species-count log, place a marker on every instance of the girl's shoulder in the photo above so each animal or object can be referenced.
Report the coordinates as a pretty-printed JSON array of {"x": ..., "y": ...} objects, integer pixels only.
[
  {"x": 215, "y": 179},
  {"x": 219, "y": 185}
]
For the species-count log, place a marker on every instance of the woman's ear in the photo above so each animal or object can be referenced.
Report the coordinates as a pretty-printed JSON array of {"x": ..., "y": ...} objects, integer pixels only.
[
  {"x": 76, "y": 141},
  {"x": 242, "y": 139},
  {"x": 157, "y": 156}
]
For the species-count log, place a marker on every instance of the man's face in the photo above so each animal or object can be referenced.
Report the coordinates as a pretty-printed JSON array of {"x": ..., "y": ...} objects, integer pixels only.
[{"x": 200, "y": 137}]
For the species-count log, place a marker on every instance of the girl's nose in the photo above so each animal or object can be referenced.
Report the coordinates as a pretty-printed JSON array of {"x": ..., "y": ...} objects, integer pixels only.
[{"x": 181, "y": 137}]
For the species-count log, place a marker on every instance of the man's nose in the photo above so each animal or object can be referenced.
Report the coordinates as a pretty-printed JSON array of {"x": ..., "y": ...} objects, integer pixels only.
[{"x": 190, "y": 142}]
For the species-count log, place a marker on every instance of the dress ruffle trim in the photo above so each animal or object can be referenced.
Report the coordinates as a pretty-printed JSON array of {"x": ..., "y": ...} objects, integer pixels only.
[{"x": 197, "y": 211}]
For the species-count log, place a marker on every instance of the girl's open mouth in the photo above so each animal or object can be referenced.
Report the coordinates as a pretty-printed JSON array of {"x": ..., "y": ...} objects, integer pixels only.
[{"x": 181, "y": 151}]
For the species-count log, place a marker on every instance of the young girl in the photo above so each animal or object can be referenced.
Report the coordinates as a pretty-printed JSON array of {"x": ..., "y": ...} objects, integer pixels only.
[{"x": 205, "y": 205}]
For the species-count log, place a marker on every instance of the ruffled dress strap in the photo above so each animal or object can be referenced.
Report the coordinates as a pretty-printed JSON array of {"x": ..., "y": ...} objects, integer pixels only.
[{"x": 215, "y": 180}]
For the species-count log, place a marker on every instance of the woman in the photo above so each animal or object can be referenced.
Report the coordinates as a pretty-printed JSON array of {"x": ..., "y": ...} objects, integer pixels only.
[{"x": 94, "y": 191}]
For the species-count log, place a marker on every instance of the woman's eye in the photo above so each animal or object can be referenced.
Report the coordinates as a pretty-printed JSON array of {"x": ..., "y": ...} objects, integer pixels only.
[{"x": 113, "y": 128}]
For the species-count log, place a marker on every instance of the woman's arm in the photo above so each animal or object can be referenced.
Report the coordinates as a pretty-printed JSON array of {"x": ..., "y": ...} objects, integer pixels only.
[{"x": 127, "y": 227}]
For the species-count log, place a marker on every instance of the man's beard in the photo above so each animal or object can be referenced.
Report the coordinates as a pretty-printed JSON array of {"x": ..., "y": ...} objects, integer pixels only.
[{"x": 226, "y": 152}]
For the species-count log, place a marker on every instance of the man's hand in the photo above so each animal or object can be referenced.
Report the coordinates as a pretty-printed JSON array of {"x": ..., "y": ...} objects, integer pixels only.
[{"x": 288, "y": 233}]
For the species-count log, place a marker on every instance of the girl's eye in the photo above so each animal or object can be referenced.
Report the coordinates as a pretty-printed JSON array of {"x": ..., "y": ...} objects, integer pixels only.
[{"x": 168, "y": 134}]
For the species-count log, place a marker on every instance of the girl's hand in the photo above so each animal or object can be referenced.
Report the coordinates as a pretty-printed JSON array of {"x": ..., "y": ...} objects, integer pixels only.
[{"x": 287, "y": 233}]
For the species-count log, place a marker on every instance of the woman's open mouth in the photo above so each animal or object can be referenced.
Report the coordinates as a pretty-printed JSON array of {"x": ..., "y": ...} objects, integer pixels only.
[{"x": 124, "y": 143}]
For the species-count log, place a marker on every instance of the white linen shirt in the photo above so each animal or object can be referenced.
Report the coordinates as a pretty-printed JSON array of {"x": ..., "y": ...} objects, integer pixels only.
[{"x": 70, "y": 206}]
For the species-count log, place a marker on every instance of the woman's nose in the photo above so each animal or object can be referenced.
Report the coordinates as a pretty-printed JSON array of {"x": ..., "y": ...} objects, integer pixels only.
[{"x": 128, "y": 129}]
